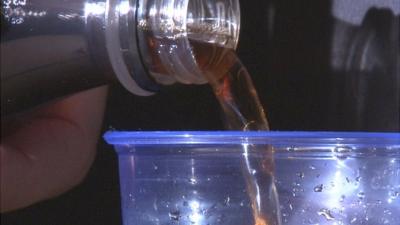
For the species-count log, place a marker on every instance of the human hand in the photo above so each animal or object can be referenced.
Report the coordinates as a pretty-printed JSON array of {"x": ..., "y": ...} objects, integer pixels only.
[{"x": 51, "y": 150}]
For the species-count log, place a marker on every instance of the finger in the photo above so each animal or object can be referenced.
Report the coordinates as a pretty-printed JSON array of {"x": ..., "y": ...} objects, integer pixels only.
[{"x": 53, "y": 151}]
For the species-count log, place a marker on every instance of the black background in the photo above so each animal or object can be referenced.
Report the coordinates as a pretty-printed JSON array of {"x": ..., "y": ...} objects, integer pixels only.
[{"x": 290, "y": 72}]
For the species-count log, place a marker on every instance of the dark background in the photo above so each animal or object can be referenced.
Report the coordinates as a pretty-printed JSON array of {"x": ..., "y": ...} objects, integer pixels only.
[{"x": 290, "y": 69}]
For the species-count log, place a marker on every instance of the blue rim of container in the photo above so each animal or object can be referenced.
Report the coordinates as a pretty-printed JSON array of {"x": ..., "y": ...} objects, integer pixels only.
[{"x": 287, "y": 138}]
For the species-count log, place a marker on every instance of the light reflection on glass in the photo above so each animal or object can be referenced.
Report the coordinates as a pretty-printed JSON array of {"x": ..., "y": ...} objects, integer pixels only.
[
  {"x": 341, "y": 187},
  {"x": 193, "y": 178},
  {"x": 123, "y": 7},
  {"x": 249, "y": 171},
  {"x": 94, "y": 8},
  {"x": 67, "y": 16},
  {"x": 195, "y": 216},
  {"x": 152, "y": 11}
]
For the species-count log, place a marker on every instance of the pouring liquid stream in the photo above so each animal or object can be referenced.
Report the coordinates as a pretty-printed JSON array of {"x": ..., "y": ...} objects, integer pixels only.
[{"x": 242, "y": 110}]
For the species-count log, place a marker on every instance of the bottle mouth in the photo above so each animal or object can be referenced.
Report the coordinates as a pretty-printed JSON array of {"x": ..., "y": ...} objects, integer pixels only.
[{"x": 151, "y": 43}]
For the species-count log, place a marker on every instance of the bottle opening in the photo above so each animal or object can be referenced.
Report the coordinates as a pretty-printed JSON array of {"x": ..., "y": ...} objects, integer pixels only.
[{"x": 164, "y": 41}]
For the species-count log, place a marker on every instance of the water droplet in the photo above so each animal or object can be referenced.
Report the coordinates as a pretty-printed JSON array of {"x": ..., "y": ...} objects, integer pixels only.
[
  {"x": 387, "y": 212},
  {"x": 296, "y": 184},
  {"x": 131, "y": 197},
  {"x": 361, "y": 195},
  {"x": 394, "y": 194},
  {"x": 185, "y": 203},
  {"x": 300, "y": 174},
  {"x": 253, "y": 172},
  {"x": 290, "y": 206},
  {"x": 192, "y": 180},
  {"x": 319, "y": 188},
  {"x": 348, "y": 180},
  {"x": 175, "y": 215},
  {"x": 326, "y": 213},
  {"x": 312, "y": 167},
  {"x": 155, "y": 167},
  {"x": 241, "y": 204},
  {"x": 358, "y": 178},
  {"x": 227, "y": 201},
  {"x": 353, "y": 220},
  {"x": 318, "y": 175},
  {"x": 342, "y": 197}
]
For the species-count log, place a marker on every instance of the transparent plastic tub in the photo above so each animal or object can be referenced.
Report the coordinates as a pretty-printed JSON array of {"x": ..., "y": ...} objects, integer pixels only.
[{"x": 201, "y": 177}]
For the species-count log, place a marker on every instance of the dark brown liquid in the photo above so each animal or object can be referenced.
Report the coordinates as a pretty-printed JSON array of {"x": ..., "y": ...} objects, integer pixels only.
[
  {"x": 242, "y": 110},
  {"x": 232, "y": 86}
]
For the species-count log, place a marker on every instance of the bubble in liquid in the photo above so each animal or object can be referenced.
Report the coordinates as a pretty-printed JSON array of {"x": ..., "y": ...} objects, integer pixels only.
[
  {"x": 342, "y": 197},
  {"x": 175, "y": 215},
  {"x": 353, "y": 220},
  {"x": 319, "y": 188},
  {"x": 312, "y": 167},
  {"x": 326, "y": 213}
]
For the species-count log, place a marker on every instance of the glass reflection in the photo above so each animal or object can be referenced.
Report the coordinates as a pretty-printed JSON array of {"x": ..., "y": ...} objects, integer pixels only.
[{"x": 94, "y": 8}]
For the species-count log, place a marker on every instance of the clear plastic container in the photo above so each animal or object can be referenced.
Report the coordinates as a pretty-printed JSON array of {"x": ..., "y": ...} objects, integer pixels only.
[{"x": 200, "y": 177}]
